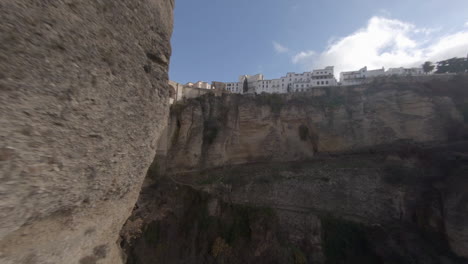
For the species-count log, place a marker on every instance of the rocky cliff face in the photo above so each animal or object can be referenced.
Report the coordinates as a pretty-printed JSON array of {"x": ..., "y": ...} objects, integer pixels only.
[
  {"x": 388, "y": 207},
  {"x": 216, "y": 131},
  {"x": 83, "y": 100},
  {"x": 371, "y": 174}
]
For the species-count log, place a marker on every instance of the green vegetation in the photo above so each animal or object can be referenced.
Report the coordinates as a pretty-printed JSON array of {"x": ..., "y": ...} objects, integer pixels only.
[
  {"x": 268, "y": 178},
  {"x": 453, "y": 65},
  {"x": 298, "y": 255},
  {"x": 269, "y": 173},
  {"x": 428, "y": 67},
  {"x": 153, "y": 171},
  {"x": 220, "y": 248},
  {"x": 346, "y": 242},
  {"x": 152, "y": 233},
  {"x": 274, "y": 101},
  {"x": 328, "y": 101},
  {"x": 237, "y": 227},
  {"x": 332, "y": 99},
  {"x": 303, "y": 132},
  {"x": 464, "y": 111},
  {"x": 178, "y": 107},
  {"x": 175, "y": 136},
  {"x": 232, "y": 226},
  {"x": 398, "y": 174},
  {"x": 210, "y": 131},
  {"x": 196, "y": 213},
  {"x": 245, "y": 86},
  {"x": 209, "y": 179}
]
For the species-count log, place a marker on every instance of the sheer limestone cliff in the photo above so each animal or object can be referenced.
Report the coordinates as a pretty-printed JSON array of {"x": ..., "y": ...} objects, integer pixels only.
[
  {"x": 83, "y": 100},
  {"x": 213, "y": 131}
]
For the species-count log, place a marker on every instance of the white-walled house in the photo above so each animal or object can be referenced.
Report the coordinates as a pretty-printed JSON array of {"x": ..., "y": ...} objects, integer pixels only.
[
  {"x": 292, "y": 82},
  {"x": 189, "y": 90},
  {"x": 405, "y": 71},
  {"x": 199, "y": 84},
  {"x": 360, "y": 76},
  {"x": 234, "y": 87},
  {"x": 316, "y": 78}
]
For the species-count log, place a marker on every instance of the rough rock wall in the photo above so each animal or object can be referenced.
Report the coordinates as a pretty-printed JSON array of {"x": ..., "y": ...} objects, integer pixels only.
[
  {"x": 83, "y": 100},
  {"x": 401, "y": 205},
  {"x": 210, "y": 132}
]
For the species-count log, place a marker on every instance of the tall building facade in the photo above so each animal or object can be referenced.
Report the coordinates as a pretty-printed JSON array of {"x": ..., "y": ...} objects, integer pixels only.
[
  {"x": 292, "y": 82},
  {"x": 363, "y": 75}
]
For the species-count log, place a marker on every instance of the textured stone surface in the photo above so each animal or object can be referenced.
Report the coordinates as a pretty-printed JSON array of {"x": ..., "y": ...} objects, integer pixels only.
[
  {"x": 456, "y": 212},
  {"x": 83, "y": 100},
  {"x": 378, "y": 199},
  {"x": 394, "y": 202},
  {"x": 421, "y": 190},
  {"x": 212, "y": 131}
]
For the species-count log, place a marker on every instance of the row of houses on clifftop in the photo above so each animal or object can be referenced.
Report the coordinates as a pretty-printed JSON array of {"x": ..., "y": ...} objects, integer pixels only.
[
  {"x": 290, "y": 83},
  {"x": 301, "y": 82},
  {"x": 362, "y": 75}
]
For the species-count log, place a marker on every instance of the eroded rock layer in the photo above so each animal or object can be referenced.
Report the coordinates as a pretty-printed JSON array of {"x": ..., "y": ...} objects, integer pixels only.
[
  {"x": 392, "y": 207},
  {"x": 216, "y": 131}
]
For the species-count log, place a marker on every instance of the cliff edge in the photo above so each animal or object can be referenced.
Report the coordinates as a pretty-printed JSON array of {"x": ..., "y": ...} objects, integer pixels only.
[{"x": 83, "y": 100}]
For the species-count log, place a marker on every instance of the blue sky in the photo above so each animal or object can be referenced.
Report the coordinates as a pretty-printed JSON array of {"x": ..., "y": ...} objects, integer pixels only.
[{"x": 218, "y": 40}]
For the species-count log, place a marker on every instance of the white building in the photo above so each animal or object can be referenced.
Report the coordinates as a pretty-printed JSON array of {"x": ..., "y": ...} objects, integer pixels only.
[
  {"x": 176, "y": 92},
  {"x": 405, "y": 71},
  {"x": 234, "y": 87},
  {"x": 360, "y": 76},
  {"x": 292, "y": 82},
  {"x": 199, "y": 84},
  {"x": 316, "y": 78}
]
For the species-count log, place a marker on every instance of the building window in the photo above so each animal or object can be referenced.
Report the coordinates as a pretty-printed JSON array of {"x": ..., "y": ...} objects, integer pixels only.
[{"x": 327, "y": 82}]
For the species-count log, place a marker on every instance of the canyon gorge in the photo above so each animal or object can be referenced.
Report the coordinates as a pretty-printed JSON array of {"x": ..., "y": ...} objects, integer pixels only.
[
  {"x": 374, "y": 173},
  {"x": 97, "y": 167}
]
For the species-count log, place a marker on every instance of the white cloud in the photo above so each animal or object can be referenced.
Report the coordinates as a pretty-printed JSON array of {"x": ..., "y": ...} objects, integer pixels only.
[
  {"x": 386, "y": 43},
  {"x": 466, "y": 24},
  {"x": 279, "y": 48},
  {"x": 303, "y": 56}
]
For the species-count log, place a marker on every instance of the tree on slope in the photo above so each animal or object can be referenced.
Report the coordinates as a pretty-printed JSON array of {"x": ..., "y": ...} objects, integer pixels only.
[
  {"x": 453, "y": 65},
  {"x": 245, "y": 87},
  {"x": 428, "y": 67}
]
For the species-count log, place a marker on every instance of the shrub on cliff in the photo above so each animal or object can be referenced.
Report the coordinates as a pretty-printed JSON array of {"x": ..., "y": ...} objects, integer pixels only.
[
  {"x": 346, "y": 242},
  {"x": 274, "y": 101},
  {"x": 220, "y": 248},
  {"x": 399, "y": 174},
  {"x": 303, "y": 132},
  {"x": 210, "y": 131}
]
